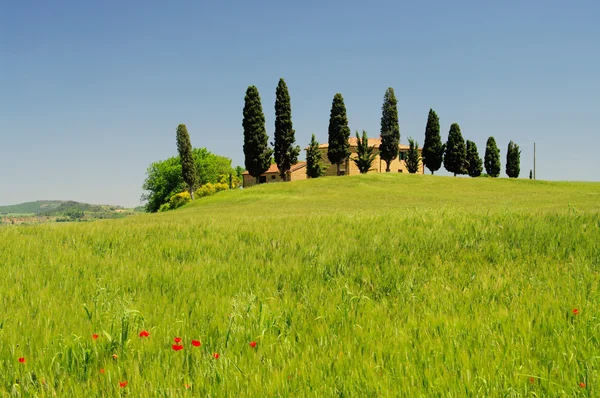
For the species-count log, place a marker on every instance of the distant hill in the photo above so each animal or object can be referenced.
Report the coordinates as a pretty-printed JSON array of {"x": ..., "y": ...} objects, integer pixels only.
[
  {"x": 31, "y": 208},
  {"x": 59, "y": 210}
]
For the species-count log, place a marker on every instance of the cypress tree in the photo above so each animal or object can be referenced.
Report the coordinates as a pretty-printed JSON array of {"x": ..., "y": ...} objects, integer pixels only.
[
  {"x": 257, "y": 154},
  {"x": 188, "y": 168},
  {"x": 286, "y": 153},
  {"x": 413, "y": 160},
  {"x": 474, "y": 163},
  {"x": 531, "y": 174},
  {"x": 390, "y": 130},
  {"x": 455, "y": 156},
  {"x": 492, "y": 158},
  {"x": 433, "y": 149},
  {"x": 365, "y": 153},
  {"x": 314, "y": 168},
  {"x": 339, "y": 132},
  {"x": 513, "y": 160}
]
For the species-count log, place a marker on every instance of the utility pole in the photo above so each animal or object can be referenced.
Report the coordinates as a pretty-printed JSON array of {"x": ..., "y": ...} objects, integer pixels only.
[{"x": 534, "y": 160}]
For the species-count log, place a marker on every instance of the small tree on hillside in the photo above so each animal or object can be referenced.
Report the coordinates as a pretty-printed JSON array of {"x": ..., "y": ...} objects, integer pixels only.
[
  {"x": 314, "y": 168},
  {"x": 513, "y": 160},
  {"x": 286, "y": 153},
  {"x": 257, "y": 154},
  {"x": 456, "y": 153},
  {"x": 339, "y": 132},
  {"x": 390, "y": 129},
  {"x": 474, "y": 163},
  {"x": 413, "y": 160},
  {"x": 531, "y": 174},
  {"x": 365, "y": 153},
  {"x": 492, "y": 158},
  {"x": 433, "y": 149},
  {"x": 188, "y": 168}
]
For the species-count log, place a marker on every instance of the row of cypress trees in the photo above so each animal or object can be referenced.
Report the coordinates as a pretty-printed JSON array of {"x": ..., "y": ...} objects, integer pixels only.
[{"x": 459, "y": 158}]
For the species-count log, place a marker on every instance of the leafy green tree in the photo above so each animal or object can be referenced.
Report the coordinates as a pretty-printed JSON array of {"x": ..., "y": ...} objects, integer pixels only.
[
  {"x": 184, "y": 148},
  {"x": 339, "y": 132},
  {"x": 314, "y": 168},
  {"x": 365, "y": 154},
  {"x": 413, "y": 160},
  {"x": 433, "y": 149},
  {"x": 390, "y": 129},
  {"x": 513, "y": 160},
  {"x": 164, "y": 178},
  {"x": 239, "y": 172},
  {"x": 456, "y": 153},
  {"x": 492, "y": 158},
  {"x": 256, "y": 142},
  {"x": 286, "y": 153},
  {"x": 474, "y": 163}
]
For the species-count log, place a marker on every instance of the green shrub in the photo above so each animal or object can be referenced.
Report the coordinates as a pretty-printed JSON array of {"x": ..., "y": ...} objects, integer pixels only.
[
  {"x": 164, "y": 207},
  {"x": 179, "y": 199},
  {"x": 207, "y": 189}
]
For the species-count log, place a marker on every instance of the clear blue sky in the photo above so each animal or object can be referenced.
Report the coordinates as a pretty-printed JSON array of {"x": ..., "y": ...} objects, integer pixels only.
[{"x": 92, "y": 92}]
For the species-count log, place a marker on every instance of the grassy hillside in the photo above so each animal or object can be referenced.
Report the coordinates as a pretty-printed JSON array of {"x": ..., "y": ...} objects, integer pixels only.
[
  {"x": 58, "y": 210},
  {"x": 376, "y": 285},
  {"x": 30, "y": 208}
]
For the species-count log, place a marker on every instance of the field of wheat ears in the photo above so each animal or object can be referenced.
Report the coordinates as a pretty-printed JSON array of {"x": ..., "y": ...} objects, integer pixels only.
[{"x": 374, "y": 285}]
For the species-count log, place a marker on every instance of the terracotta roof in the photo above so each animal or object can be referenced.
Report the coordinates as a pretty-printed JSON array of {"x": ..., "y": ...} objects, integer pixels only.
[
  {"x": 274, "y": 169},
  {"x": 372, "y": 142}
]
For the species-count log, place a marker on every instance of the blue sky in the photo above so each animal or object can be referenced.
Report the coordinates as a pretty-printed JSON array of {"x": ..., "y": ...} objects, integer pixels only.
[{"x": 92, "y": 92}]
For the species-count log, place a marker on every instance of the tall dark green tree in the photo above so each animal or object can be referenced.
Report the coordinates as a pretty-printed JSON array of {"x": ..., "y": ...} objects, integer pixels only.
[
  {"x": 314, "y": 168},
  {"x": 188, "y": 168},
  {"x": 433, "y": 149},
  {"x": 339, "y": 132},
  {"x": 286, "y": 153},
  {"x": 257, "y": 154},
  {"x": 474, "y": 163},
  {"x": 513, "y": 160},
  {"x": 413, "y": 159},
  {"x": 491, "y": 159},
  {"x": 390, "y": 129},
  {"x": 365, "y": 154},
  {"x": 455, "y": 157}
]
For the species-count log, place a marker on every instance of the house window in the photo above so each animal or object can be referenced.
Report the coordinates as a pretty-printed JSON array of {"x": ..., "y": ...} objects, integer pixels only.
[
  {"x": 272, "y": 177},
  {"x": 401, "y": 156},
  {"x": 399, "y": 170}
]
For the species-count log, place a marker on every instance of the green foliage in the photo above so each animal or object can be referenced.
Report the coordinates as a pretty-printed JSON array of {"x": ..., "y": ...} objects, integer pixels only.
[
  {"x": 257, "y": 154},
  {"x": 339, "y": 132},
  {"x": 207, "y": 189},
  {"x": 179, "y": 199},
  {"x": 365, "y": 155},
  {"x": 164, "y": 207},
  {"x": 373, "y": 285},
  {"x": 164, "y": 179},
  {"x": 455, "y": 157},
  {"x": 433, "y": 149},
  {"x": 286, "y": 153},
  {"x": 314, "y": 167},
  {"x": 390, "y": 129},
  {"x": 530, "y": 174},
  {"x": 492, "y": 158},
  {"x": 31, "y": 207},
  {"x": 186, "y": 158},
  {"x": 513, "y": 160},
  {"x": 474, "y": 163},
  {"x": 413, "y": 159}
]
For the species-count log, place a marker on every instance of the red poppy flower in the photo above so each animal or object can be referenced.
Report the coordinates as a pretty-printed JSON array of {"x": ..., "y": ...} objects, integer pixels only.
[
  {"x": 531, "y": 380},
  {"x": 196, "y": 343},
  {"x": 582, "y": 384},
  {"x": 123, "y": 384},
  {"x": 94, "y": 336},
  {"x": 253, "y": 344},
  {"x": 144, "y": 333},
  {"x": 22, "y": 360},
  {"x": 115, "y": 356},
  {"x": 216, "y": 355},
  {"x": 177, "y": 339},
  {"x": 177, "y": 347},
  {"x": 575, "y": 311},
  {"x": 102, "y": 371},
  {"x": 186, "y": 385}
]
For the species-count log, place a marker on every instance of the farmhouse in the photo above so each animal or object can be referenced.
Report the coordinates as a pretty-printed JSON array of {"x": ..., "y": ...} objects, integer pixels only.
[
  {"x": 348, "y": 167},
  {"x": 297, "y": 172}
]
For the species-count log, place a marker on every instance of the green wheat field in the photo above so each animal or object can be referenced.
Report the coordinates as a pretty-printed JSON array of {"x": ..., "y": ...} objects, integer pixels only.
[{"x": 366, "y": 286}]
